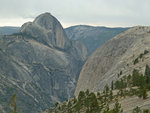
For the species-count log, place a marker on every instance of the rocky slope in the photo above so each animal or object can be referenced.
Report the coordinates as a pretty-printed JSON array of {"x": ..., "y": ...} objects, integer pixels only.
[
  {"x": 118, "y": 56},
  {"x": 92, "y": 37},
  {"x": 8, "y": 30},
  {"x": 40, "y": 64}
]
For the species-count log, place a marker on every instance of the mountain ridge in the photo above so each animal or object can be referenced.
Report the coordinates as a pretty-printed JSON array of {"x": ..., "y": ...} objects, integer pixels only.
[
  {"x": 39, "y": 64},
  {"x": 92, "y": 37}
]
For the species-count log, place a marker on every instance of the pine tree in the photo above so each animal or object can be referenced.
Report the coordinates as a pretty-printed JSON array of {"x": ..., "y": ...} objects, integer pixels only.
[
  {"x": 69, "y": 104},
  {"x": 106, "y": 110},
  {"x": 112, "y": 85},
  {"x": 146, "y": 111},
  {"x": 137, "y": 110},
  {"x": 117, "y": 108},
  {"x": 136, "y": 61},
  {"x": 144, "y": 93},
  {"x": 74, "y": 100},
  {"x": 147, "y": 74},
  {"x": 12, "y": 103},
  {"x": 81, "y": 101},
  {"x": 117, "y": 84},
  {"x": 135, "y": 77},
  {"x": 93, "y": 105},
  {"x": 81, "y": 95},
  {"x": 111, "y": 95},
  {"x": 120, "y": 72},
  {"x": 106, "y": 89},
  {"x": 87, "y": 92},
  {"x": 56, "y": 104},
  {"x": 145, "y": 52}
]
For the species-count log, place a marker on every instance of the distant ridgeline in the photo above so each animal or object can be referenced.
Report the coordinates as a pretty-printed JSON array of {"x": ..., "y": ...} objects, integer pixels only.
[
  {"x": 112, "y": 97},
  {"x": 8, "y": 30},
  {"x": 92, "y": 37}
]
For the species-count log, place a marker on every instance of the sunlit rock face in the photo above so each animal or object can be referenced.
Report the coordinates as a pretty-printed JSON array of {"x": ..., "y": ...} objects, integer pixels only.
[{"x": 115, "y": 56}]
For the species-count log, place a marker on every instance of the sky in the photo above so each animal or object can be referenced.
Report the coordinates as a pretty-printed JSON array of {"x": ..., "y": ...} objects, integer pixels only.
[{"x": 110, "y": 13}]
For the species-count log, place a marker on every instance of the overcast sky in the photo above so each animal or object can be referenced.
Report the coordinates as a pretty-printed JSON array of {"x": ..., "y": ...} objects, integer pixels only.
[{"x": 110, "y": 13}]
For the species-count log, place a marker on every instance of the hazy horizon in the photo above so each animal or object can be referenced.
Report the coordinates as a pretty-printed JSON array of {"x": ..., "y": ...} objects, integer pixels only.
[
  {"x": 109, "y": 13},
  {"x": 71, "y": 25}
]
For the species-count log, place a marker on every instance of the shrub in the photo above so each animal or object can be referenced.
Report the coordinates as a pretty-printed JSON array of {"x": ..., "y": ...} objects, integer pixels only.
[
  {"x": 137, "y": 110},
  {"x": 136, "y": 61}
]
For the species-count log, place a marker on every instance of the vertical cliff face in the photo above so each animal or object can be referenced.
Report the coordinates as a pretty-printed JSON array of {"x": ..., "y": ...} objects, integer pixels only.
[
  {"x": 39, "y": 64},
  {"x": 47, "y": 29},
  {"x": 115, "y": 56}
]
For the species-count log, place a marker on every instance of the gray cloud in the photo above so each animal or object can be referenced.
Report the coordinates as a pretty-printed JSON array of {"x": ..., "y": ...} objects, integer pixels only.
[{"x": 69, "y": 12}]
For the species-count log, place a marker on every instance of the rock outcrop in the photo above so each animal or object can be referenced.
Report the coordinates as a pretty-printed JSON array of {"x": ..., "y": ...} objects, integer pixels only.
[
  {"x": 45, "y": 26},
  {"x": 118, "y": 56},
  {"x": 40, "y": 64},
  {"x": 92, "y": 37}
]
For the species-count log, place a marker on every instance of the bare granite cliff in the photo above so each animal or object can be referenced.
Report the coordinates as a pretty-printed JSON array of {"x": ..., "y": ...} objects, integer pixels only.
[
  {"x": 39, "y": 64},
  {"x": 49, "y": 28},
  {"x": 119, "y": 56}
]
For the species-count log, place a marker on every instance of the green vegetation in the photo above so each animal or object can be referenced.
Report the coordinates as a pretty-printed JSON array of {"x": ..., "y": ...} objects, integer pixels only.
[
  {"x": 145, "y": 52},
  {"x": 117, "y": 108},
  {"x": 136, "y": 61},
  {"x": 137, "y": 83},
  {"x": 120, "y": 72},
  {"x": 138, "y": 110},
  {"x": 147, "y": 74},
  {"x": 140, "y": 57},
  {"x": 12, "y": 103},
  {"x": 88, "y": 102}
]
